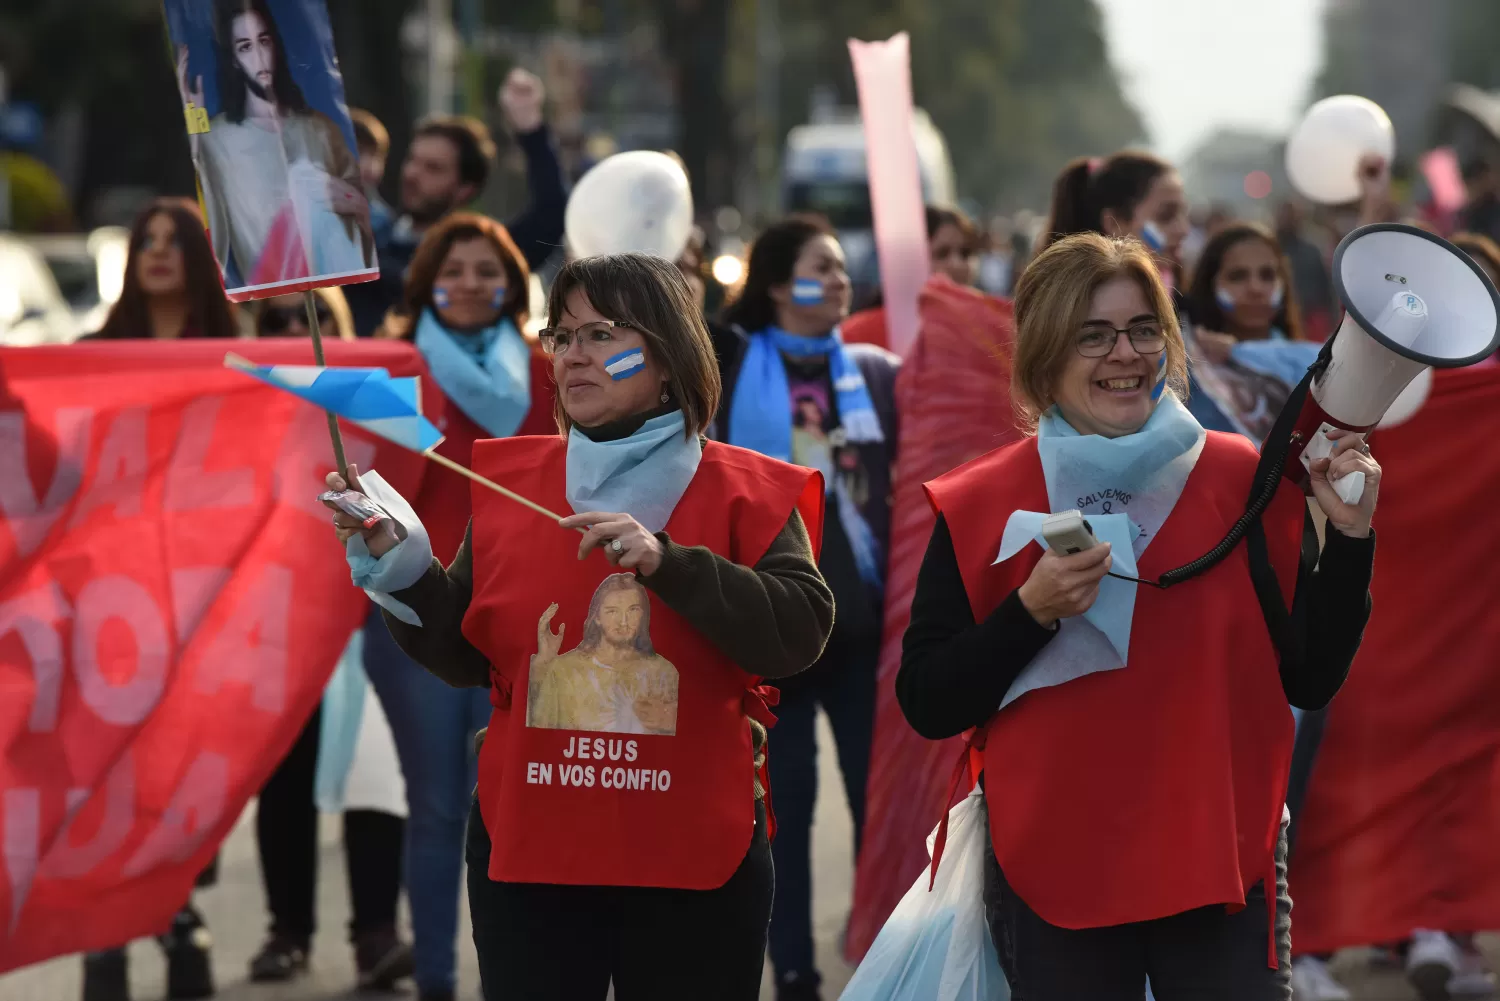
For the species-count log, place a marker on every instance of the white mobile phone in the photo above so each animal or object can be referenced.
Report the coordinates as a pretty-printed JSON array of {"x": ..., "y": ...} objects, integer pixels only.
[{"x": 1068, "y": 532}]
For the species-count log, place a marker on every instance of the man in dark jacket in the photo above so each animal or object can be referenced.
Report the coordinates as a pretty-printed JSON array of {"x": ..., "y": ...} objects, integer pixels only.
[{"x": 446, "y": 167}]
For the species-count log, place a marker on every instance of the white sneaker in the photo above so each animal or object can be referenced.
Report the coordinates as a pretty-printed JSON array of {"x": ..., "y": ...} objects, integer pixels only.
[
  {"x": 1440, "y": 970},
  {"x": 1311, "y": 981}
]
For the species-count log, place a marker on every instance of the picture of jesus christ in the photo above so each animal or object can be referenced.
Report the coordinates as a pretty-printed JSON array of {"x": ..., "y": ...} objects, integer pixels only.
[
  {"x": 281, "y": 186},
  {"x": 613, "y": 681}
]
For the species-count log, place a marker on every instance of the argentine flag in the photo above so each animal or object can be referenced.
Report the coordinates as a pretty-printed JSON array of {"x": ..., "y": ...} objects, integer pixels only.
[{"x": 368, "y": 397}]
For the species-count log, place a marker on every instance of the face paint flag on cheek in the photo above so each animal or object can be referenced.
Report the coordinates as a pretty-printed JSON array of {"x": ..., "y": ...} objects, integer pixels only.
[
  {"x": 625, "y": 364},
  {"x": 807, "y": 292},
  {"x": 1153, "y": 237},
  {"x": 497, "y": 298},
  {"x": 440, "y": 298},
  {"x": 1224, "y": 299}
]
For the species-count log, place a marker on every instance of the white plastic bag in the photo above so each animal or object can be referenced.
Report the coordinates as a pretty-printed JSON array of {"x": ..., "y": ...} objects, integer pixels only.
[{"x": 936, "y": 945}]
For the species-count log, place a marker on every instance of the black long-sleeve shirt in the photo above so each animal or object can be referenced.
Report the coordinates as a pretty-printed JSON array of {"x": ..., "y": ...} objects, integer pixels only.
[{"x": 955, "y": 671}]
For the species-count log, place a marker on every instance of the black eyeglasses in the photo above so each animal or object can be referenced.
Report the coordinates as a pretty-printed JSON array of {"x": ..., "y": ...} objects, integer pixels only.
[
  {"x": 556, "y": 340},
  {"x": 277, "y": 320},
  {"x": 1098, "y": 339}
]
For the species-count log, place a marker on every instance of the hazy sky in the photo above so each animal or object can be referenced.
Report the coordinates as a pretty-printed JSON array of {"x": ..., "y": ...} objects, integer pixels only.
[{"x": 1193, "y": 65}]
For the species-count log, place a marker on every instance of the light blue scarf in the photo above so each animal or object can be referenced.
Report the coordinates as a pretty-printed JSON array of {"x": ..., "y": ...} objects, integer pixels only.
[
  {"x": 760, "y": 417},
  {"x": 643, "y": 475},
  {"x": 487, "y": 374},
  {"x": 1126, "y": 487}
]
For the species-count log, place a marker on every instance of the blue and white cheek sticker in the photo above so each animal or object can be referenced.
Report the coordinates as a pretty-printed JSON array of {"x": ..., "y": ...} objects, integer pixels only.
[
  {"x": 497, "y": 297},
  {"x": 440, "y": 298},
  {"x": 807, "y": 292},
  {"x": 625, "y": 364},
  {"x": 1153, "y": 237},
  {"x": 1161, "y": 382},
  {"x": 1225, "y": 300},
  {"x": 1278, "y": 296}
]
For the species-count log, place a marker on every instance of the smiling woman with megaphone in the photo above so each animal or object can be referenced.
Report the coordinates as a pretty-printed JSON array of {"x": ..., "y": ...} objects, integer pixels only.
[{"x": 1135, "y": 739}]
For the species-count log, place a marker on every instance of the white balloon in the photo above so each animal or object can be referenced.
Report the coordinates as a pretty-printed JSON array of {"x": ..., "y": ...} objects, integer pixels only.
[
  {"x": 1322, "y": 156},
  {"x": 1410, "y": 401},
  {"x": 638, "y": 201}
]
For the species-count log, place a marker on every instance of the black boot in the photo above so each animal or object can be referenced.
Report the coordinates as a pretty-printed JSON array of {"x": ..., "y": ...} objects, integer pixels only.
[
  {"x": 190, "y": 972},
  {"x": 381, "y": 958},
  {"x": 106, "y": 976},
  {"x": 279, "y": 959}
]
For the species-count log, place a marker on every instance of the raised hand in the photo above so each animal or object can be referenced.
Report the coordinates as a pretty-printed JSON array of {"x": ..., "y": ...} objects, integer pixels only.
[
  {"x": 380, "y": 538},
  {"x": 521, "y": 98},
  {"x": 548, "y": 643}
]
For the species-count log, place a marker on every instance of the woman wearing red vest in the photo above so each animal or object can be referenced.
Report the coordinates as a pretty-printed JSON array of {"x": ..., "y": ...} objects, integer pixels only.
[
  {"x": 620, "y": 829},
  {"x": 1135, "y": 741},
  {"x": 465, "y": 307}
]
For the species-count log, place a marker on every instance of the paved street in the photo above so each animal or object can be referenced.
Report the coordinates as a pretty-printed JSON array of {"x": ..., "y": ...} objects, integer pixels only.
[{"x": 235, "y": 910}]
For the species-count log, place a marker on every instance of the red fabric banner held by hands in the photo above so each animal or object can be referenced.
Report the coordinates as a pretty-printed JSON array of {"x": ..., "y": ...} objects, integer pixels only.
[
  {"x": 172, "y": 601},
  {"x": 954, "y": 397},
  {"x": 1401, "y": 828}
]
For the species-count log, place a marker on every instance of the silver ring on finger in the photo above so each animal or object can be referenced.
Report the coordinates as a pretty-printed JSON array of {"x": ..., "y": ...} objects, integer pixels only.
[
  {"x": 1364, "y": 447},
  {"x": 617, "y": 546}
]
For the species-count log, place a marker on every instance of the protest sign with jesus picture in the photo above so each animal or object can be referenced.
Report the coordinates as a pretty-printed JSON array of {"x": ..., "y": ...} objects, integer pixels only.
[{"x": 272, "y": 142}]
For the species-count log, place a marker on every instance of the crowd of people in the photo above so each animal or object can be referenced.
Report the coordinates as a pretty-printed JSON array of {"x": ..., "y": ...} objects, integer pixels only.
[{"x": 688, "y": 446}]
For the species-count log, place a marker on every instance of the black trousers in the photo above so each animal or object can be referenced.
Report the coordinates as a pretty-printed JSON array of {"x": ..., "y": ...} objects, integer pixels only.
[
  {"x": 542, "y": 942},
  {"x": 286, "y": 832},
  {"x": 843, "y": 683},
  {"x": 1200, "y": 954}
]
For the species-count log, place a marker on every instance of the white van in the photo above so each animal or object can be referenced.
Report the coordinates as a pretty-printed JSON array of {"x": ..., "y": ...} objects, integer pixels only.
[{"x": 823, "y": 170}]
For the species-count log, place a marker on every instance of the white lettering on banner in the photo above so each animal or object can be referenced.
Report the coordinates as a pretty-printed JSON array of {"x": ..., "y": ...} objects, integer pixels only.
[
  {"x": 34, "y": 616},
  {"x": 641, "y": 779},
  {"x": 69, "y": 861},
  {"x": 120, "y": 472},
  {"x": 22, "y": 820},
  {"x": 190, "y": 486},
  {"x": 117, "y": 597},
  {"x": 306, "y": 458},
  {"x": 193, "y": 591},
  {"x": 196, "y": 807},
  {"x": 600, "y": 749},
  {"x": 251, "y": 648},
  {"x": 29, "y": 519},
  {"x": 576, "y": 775},
  {"x": 539, "y": 773}
]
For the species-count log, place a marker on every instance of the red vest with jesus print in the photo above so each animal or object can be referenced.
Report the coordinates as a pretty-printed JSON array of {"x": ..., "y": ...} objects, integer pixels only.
[
  {"x": 619, "y": 749},
  {"x": 1157, "y": 788}
]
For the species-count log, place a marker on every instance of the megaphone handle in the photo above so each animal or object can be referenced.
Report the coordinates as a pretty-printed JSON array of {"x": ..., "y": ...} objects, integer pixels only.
[{"x": 1350, "y": 487}]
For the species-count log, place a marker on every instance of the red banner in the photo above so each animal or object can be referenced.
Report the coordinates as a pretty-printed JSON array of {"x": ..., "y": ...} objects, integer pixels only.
[
  {"x": 171, "y": 604},
  {"x": 1401, "y": 828},
  {"x": 954, "y": 397}
]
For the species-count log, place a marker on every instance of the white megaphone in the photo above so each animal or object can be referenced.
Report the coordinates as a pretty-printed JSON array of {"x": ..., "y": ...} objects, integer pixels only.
[
  {"x": 637, "y": 202},
  {"x": 1412, "y": 302},
  {"x": 1323, "y": 153}
]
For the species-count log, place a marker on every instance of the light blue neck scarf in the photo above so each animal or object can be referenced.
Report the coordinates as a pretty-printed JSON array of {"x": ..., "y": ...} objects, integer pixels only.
[
  {"x": 487, "y": 374},
  {"x": 1126, "y": 487},
  {"x": 643, "y": 475},
  {"x": 760, "y": 416}
]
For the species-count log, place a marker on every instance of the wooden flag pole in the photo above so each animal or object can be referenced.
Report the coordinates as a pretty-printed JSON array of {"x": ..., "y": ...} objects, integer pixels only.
[
  {"x": 311, "y": 302},
  {"x": 443, "y": 460}
]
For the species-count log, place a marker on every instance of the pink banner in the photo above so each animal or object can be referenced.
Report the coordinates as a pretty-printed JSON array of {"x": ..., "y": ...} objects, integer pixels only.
[{"x": 882, "y": 70}]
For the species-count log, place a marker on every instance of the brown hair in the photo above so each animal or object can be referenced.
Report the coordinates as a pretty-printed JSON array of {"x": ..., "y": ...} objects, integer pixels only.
[
  {"x": 459, "y": 227},
  {"x": 471, "y": 138},
  {"x": 650, "y": 295},
  {"x": 1089, "y": 186},
  {"x": 370, "y": 134},
  {"x": 1052, "y": 303},
  {"x": 210, "y": 314},
  {"x": 1202, "y": 303},
  {"x": 333, "y": 301},
  {"x": 1480, "y": 247}
]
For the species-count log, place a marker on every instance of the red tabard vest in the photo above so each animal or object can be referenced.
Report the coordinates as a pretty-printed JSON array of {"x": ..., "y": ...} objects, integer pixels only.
[
  {"x": 1138, "y": 793},
  {"x": 625, "y": 758},
  {"x": 443, "y": 500}
]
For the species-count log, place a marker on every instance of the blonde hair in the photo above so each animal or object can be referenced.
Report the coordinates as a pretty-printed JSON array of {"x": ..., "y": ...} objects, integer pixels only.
[{"x": 1052, "y": 304}]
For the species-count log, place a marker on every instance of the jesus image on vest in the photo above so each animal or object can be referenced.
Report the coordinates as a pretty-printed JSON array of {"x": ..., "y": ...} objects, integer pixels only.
[{"x": 613, "y": 681}]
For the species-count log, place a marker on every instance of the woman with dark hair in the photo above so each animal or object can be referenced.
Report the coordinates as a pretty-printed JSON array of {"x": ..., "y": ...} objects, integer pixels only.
[
  {"x": 171, "y": 290},
  {"x": 1135, "y": 741},
  {"x": 637, "y": 855},
  {"x": 172, "y": 287},
  {"x": 1245, "y": 317},
  {"x": 464, "y": 309},
  {"x": 1128, "y": 194},
  {"x": 797, "y": 393},
  {"x": 953, "y": 244}
]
